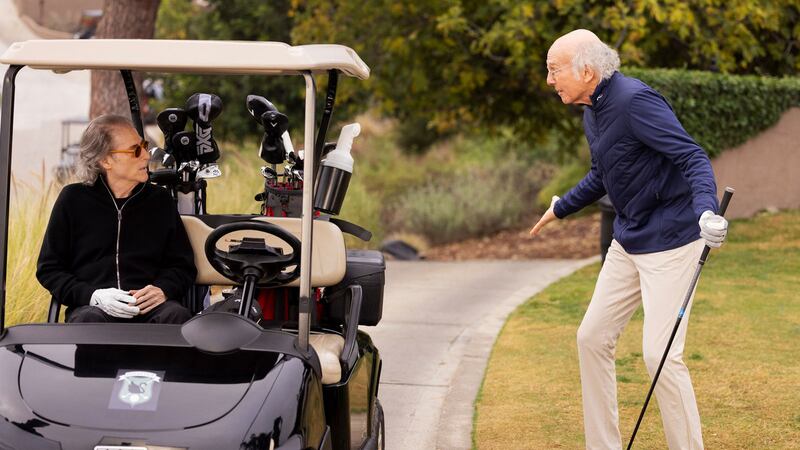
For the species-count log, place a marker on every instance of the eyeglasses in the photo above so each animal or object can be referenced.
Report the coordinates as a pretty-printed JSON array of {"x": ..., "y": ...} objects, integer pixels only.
[
  {"x": 553, "y": 73},
  {"x": 137, "y": 151}
]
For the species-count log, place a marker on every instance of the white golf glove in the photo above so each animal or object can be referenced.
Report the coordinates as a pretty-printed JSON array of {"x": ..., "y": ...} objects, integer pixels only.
[
  {"x": 713, "y": 229},
  {"x": 115, "y": 302}
]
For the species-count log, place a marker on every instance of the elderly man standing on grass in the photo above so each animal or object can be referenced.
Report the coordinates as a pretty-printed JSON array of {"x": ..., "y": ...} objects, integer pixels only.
[{"x": 663, "y": 190}]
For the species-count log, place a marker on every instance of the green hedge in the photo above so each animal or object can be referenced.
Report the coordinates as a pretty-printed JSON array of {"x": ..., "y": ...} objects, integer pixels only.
[{"x": 722, "y": 111}]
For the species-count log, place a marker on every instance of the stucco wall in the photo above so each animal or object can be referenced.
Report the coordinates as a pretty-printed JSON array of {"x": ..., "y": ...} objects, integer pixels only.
[
  {"x": 54, "y": 19},
  {"x": 765, "y": 170}
]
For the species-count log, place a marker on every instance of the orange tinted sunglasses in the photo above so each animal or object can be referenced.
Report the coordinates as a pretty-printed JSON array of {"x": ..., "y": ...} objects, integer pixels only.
[{"x": 137, "y": 152}]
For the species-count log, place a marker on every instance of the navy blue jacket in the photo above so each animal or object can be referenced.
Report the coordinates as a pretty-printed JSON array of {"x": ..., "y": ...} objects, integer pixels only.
[{"x": 657, "y": 177}]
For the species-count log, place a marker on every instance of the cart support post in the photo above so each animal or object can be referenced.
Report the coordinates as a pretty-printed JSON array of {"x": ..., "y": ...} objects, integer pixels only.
[
  {"x": 6, "y": 129},
  {"x": 133, "y": 101},
  {"x": 304, "y": 320},
  {"x": 330, "y": 99}
]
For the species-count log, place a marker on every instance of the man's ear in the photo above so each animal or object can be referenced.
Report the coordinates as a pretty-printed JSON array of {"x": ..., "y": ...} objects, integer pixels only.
[
  {"x": 105, "y": 163},
  {"x": 588, "y": 74}
]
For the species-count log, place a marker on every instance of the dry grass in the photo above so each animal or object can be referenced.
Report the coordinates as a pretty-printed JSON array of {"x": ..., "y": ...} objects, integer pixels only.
[
  {"x": 741, "y": 350},
  {"x": 26, "y": 300},
  {"x": 234, "y": 192}
]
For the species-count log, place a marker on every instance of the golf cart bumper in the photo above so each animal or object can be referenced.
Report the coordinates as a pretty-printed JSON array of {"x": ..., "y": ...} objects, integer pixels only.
[{"x": 62, "y": 390}]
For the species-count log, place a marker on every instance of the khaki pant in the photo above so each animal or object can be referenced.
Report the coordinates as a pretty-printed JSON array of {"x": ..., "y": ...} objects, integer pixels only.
[{"x": 659, "y": 281}]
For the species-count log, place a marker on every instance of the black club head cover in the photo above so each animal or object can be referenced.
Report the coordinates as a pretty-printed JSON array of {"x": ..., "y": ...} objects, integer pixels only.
[
  {"x": 184, "y": 145},
  {"x": 203, "y": 109},
  {"x": 171, "y": 121}
]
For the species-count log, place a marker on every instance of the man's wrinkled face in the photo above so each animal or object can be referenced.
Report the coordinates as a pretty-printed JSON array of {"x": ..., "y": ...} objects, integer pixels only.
[
  {"x": 561, "y": 77},
  {"x": 123, "y": 164}
]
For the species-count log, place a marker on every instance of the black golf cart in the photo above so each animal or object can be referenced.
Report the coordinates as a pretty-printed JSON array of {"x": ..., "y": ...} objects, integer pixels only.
[{"x": 219, "y": 381}]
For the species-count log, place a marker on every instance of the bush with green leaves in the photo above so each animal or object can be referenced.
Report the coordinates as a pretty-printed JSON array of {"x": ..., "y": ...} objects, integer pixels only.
[
  {"x": 458, "y": 65},
  {"x": 240, "y": 20},
  {"x": 449, "y": 66}
]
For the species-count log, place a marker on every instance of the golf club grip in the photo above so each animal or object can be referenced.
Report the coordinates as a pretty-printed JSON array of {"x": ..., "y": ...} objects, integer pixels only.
[
  {"x": 726, "y": 198},
  {"x": 723, "y": 206}
]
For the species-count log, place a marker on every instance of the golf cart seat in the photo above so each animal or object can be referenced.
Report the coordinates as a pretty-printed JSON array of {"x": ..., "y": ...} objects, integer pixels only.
[
  {"x": 329, "y": 347},
  {"x": 328, "y": 268},
  {"x": 328, "y": 255}
]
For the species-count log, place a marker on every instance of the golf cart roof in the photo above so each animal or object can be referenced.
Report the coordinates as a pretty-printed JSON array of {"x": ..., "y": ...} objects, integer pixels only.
[{"x": 151, "y": 55}]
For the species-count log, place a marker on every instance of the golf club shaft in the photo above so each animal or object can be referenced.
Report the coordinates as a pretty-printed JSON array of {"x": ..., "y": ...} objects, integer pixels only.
[{"x": 726, "y": 198}]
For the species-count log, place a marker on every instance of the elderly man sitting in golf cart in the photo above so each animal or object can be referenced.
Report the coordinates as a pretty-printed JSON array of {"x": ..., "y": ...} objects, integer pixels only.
[{"x": 115, "y": 249}]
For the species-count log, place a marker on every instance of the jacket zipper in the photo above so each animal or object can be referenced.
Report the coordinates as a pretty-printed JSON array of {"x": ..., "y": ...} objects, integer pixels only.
[
  {"x": 119, "y": 227},
  {"x": 116, "y": 253}
]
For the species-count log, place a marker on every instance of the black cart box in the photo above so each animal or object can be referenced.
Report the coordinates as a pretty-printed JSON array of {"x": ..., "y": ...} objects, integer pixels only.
[{"x": 367, "y": 269}]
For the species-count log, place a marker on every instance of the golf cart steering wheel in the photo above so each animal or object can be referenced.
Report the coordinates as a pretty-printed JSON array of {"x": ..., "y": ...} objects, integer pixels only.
[{"x": 254, "y": 257}]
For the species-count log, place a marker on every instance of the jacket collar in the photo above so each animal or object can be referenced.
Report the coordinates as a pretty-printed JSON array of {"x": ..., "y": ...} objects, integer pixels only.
[
  {"x": 601, "y": 91},
  {"x": 101, "y": 186}
]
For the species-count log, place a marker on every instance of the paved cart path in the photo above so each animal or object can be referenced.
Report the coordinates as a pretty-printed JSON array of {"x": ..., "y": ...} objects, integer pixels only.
[{"x": 440, "y": 320}]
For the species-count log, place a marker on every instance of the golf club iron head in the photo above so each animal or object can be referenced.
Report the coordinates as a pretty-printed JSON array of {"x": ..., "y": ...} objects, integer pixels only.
[
  {"x": 209, "y": 171},
  {"x": 161, "y": 167},
  {"x": 269, "y": 173}
]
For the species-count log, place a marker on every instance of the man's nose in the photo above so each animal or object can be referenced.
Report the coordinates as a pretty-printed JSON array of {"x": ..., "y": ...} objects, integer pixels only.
[{"x": 551, "y": 80}]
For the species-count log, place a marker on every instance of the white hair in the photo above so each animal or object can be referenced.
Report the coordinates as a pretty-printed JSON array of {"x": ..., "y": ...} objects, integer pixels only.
[
  {"x": 603, "y": 59},
  {"x": 96, "y": 144}
]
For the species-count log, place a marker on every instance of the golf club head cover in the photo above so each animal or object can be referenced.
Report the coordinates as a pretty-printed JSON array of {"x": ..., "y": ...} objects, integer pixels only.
[
  {"x": 171, "y": 121},
  {"x": 184, "y": 146},
  {"x": 203, "y": 109},
  {"x": 258, "y": 105},
  {"x": 274, "y": 123}
]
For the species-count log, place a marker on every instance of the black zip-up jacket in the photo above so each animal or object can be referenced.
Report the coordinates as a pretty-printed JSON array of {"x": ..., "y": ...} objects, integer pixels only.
[{"x": 81, "y": 253}]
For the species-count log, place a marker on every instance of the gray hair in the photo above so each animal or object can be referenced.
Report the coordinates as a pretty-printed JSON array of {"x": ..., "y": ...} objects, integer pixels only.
[
  {"x": 95, "y": 145},
  {"x": 603, "y": 59}
]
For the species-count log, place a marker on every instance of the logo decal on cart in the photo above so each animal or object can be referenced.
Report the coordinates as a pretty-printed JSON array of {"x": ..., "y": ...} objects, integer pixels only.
[{"x": 136, "y": 390}]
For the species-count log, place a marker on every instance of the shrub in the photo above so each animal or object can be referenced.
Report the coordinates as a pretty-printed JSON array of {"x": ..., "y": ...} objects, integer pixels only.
[
  {"x": 474, "y": 201},
  {"x": 722, "y": 111}
]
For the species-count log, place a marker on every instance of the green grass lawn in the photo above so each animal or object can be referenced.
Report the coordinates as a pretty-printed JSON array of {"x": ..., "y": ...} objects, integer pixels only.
[{"x": 743, "y": 352}]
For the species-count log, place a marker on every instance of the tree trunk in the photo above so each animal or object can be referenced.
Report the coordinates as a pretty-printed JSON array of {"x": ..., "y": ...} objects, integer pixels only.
[{"x": 122, "y": 19}]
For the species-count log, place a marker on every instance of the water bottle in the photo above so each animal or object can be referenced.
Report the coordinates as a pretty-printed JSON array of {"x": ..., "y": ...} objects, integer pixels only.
[{"x": 335, "y": 172}]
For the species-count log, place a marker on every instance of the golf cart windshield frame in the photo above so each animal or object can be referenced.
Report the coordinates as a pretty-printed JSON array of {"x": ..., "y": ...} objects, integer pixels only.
[{"x": 217, "y": 57}]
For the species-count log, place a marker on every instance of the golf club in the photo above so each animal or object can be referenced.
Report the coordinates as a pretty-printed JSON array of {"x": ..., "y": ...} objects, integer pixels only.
[
  {"x": 202, "y": 109},
  {"x": 726, "y": 198},
  {"x": 171, "y": 121},
  {"x": 184, "y": 146},
  {"x": 275, "y": 124}
]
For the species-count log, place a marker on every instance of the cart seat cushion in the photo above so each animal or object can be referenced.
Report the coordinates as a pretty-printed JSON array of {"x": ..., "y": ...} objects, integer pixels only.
[
  {"x": 328, "y": 255},
  {"x": 328, "y": 347}
]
